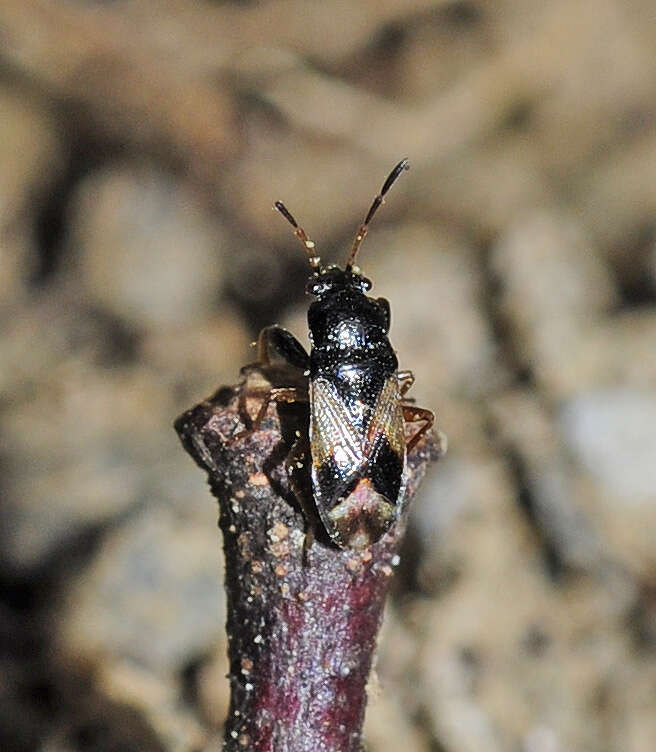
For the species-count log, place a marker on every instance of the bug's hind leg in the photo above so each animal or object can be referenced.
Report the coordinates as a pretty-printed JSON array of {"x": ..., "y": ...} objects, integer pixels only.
[
  {"x": 301, "y": 486},
  {"x": 412, "y": 414},
  {"x": 277, "y": 394}
]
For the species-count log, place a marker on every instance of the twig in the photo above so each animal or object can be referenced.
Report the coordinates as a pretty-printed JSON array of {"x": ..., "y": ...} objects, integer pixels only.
[{"x": 302, "y": 625}]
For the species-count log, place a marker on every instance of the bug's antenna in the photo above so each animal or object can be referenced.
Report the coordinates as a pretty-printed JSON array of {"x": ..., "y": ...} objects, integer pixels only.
[
  {"x": 361, "y": 234},
  {"x": 300, "y": 234}
]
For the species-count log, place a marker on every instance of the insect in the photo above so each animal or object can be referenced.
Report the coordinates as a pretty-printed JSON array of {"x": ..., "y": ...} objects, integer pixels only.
[{"x": 357, "y": 405}]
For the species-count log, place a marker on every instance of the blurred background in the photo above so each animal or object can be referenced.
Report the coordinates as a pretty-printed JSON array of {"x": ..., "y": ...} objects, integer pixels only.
[{"x": 142, "y": 145}]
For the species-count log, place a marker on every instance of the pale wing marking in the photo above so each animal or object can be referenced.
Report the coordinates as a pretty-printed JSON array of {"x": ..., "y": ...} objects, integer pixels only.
[
  {"x": 332, "y": 433},
  {"x": 387, "y": 419}
]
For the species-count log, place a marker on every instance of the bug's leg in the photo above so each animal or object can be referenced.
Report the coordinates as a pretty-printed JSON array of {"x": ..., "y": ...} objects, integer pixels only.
[
  {"x": 406, "y": 380},
  {"x": 277, "y": 346},
  {"x": 295, "y": 463},
  {"x": 280, "y": 357},
  {"x": 277, "y": 394},
  {"x": 412, "y": 414}
]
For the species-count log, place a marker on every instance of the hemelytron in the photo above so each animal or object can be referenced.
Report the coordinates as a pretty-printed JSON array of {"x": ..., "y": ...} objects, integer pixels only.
[{"x": 358, "y": 409}]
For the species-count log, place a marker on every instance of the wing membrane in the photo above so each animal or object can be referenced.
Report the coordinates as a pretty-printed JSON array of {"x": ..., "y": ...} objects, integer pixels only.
[
  {"x": 386, "y": 421},
  {"x": 334, "y": 436},
  {"x": 358, "y": 461},
  {"x": 338, "y": 439}
]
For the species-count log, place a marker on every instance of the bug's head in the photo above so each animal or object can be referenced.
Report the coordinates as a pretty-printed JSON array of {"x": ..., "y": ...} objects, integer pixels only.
[
  {"x": 332, "y": 279},
  {"x": 325, "y": 279}
]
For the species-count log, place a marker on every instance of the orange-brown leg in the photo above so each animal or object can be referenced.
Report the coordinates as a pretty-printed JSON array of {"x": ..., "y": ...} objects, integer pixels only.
[
  {"x": 277, "y": 394},
  {"x": 412, "y": 414},
  {"x": 278, "y": 351},
  {"x": 406, "y": 380}
]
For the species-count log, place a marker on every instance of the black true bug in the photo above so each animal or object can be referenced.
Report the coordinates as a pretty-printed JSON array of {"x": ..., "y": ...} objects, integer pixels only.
[{"x": 356, "y": 393}]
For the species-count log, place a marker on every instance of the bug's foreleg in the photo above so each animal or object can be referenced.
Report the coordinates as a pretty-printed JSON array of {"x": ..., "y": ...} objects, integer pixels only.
[
  {"x": 276, "y": 346},
  {"x": 412, "y": 414}
]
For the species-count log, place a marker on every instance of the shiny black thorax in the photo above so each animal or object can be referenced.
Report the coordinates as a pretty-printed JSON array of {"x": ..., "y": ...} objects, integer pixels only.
[{"x": 348, "y": 332}]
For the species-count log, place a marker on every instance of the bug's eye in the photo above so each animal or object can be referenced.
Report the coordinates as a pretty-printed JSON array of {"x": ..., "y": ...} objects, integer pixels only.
[
  {"x": 315, "y": 287},
  {"x": 365, "y": 284}
]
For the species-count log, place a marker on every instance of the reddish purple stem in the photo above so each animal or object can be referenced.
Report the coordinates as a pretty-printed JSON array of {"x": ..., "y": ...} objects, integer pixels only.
[{"x": 302, "y": 624}]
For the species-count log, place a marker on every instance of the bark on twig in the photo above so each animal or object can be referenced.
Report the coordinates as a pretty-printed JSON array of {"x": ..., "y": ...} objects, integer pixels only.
[{"x": 301, "y": 626}]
